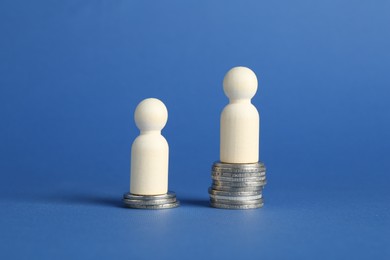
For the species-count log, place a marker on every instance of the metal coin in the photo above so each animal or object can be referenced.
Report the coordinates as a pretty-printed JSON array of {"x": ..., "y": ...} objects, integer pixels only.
[
  {"x": 237, "y": 174},
  {"x": 235, "y": 193},
  {"x": 162, "y": 201},
  {"x": 237, "y": 198},
  {"x": 239, "y": 184},
  {"x": 161, "y": 206},
  {"x": 238, "y": 165},
  {"x": 149, "y": 202},
  {"x": 238, "y": 179},
  {"x": 237, "y": 170},
  {"x": 237, "y": 202},
  {"x": 130, "y": 196},
  {"x": 223, "y": 170},
  {"x": 229, "y": 206},
  {"x": 236, "y": 189}
]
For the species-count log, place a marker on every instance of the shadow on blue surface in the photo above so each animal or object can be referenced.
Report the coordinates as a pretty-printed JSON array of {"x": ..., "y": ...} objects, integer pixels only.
[
  {"x": 67, "y": 199},
  {"x": 87, "y": 199},
  {"x": 194, "y": 202}
]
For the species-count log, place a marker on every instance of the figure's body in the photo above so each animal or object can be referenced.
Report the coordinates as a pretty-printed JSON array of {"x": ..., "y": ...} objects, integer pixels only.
[
  {"x": 240, "y": 121},
  {"x": 150, "y": 150}
]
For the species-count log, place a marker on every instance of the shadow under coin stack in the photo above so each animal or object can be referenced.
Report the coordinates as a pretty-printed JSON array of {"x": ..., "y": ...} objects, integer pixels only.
[{"x": 237, "y": 185}]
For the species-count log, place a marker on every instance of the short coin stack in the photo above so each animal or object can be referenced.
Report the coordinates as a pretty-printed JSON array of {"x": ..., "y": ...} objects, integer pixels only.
[
  {"x": 237, "y": 185},
  {"x": 163, "y": 201}
]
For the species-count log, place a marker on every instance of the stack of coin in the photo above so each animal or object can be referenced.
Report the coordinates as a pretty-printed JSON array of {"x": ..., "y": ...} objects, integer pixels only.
[
  {"x": 164, "y": 201},
  {"x": 237, "y": 186}
]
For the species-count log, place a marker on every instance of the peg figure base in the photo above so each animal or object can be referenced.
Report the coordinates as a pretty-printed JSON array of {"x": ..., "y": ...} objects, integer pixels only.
[
  {"x": 237, "y": 185},
  {"x": 164, "y": 201}
]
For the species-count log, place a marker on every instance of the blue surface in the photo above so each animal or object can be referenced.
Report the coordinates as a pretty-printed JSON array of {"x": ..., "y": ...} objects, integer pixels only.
[{"x": 72, "y": 72}]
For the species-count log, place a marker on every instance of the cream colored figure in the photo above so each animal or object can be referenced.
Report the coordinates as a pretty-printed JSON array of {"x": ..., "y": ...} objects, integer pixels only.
[
  {"x": 150, "y": 150},
  {"x": 240, "y": 121}
]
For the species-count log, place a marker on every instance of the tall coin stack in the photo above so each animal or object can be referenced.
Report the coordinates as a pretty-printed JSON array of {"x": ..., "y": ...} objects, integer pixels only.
[{"x": 237, "y": 186}]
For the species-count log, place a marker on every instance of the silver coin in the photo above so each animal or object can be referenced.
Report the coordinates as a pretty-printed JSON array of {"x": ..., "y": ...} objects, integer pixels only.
[
  {"x": 238, "y": 165},
  {"x": 238, "y": 179},
  {"x": 237, "y": 202},
  {"x": 235, "y": 198},
  {"x": 130, "y": 196},
  {"x": 235, "y": 193},
  {"x": 218, "y": 170},
  {"x": 236, "y": 189},
  {"x": 161, "y": 206},
  {"x": 225, "y": 170},
  {"x": 252, "y": 187},
  {"x": 229, "y": 206},
  {"x": 237, "y": 174},
  {"x": 238, "y": 170},
  {"x": 149, "y": 202},
  {"x": 239, "y": 184}
]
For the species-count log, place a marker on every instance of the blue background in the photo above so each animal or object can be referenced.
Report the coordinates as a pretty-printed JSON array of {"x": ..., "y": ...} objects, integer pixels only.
[{"x": 72, "y": 73}]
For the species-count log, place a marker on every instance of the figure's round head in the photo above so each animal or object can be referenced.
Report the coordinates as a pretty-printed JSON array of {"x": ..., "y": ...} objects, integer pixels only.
[
  {"x": 151, "y": 115},
  {"x": 240, "y": 83}
]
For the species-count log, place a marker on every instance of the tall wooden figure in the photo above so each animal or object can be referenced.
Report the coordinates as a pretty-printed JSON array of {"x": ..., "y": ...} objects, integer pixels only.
[
  {"x": 240, "y": 119},
  {"x": 238, "y": 178}
]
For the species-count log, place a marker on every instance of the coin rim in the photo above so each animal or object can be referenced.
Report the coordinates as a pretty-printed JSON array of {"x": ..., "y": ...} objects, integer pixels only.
[
  {"x": 238, "y": 165},
  {"x": 149, "y": 202},
  {"x": 237, "y": 202},
  {"x": 237, "y": 174},
  {"x": 236, "y": 198},
  {"x": 238, "y": 207},
  {"x": 233, "y": 189},
  {"x": 239, "y": 183},
  {"x": 168, "y": 195},
  {"x": 238, "y": 179},
  {"x": 158, "y": 206},
  {"x": 234, "y": 193}
]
